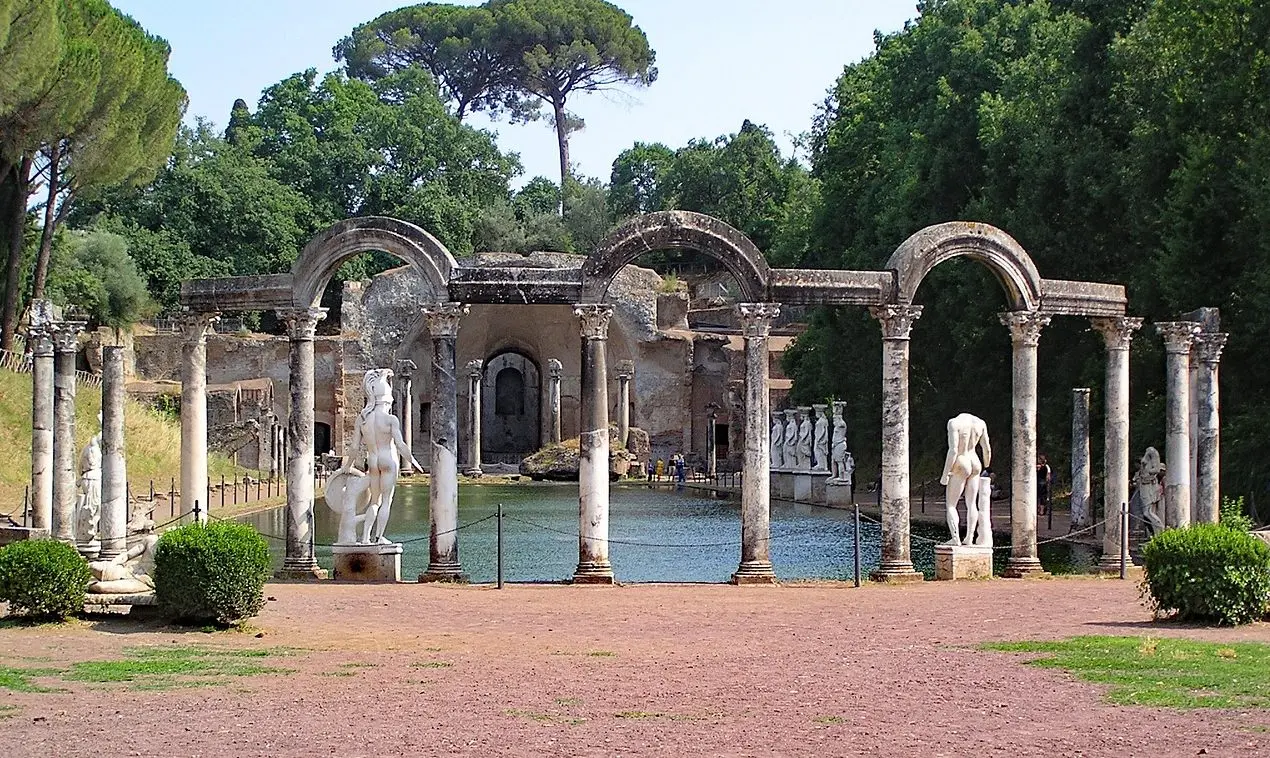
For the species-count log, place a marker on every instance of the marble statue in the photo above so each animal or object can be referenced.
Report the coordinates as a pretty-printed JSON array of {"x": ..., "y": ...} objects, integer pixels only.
[
  {"x": 378, "y": 432},
  {"x": 347, "y": 492},
  {"x": 846, "y": 475},
  {"x": 129, "y": 572},
  {"x": 1150, "y": 483},
  {"x": 980, "y": 532},
  {"x": 962, "y": 469},
  {"x": 839, "y": 453},
  {"x": 791, "y": 439},
  {"x": 820, "y": 438},
  {"x": 804, "y": 439},
  {"x": 88, "y": 494},
  {"x": 778, "y": 442}
]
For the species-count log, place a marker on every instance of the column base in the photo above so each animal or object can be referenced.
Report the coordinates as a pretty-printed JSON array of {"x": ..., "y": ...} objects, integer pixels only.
[
  {"x": 312, "y": 573},
  {"x": 1026, "y": 568},
  {"x": 594, "y": 573},
  {"x": 474, "y": 473},
  {"x": 89, "y": 550},
  {"x": 444, "y": 573},
  {"x": 898, "y": 572},
  {"x": 1110, "y": 564},
  {"x": 753, "y": 572}
]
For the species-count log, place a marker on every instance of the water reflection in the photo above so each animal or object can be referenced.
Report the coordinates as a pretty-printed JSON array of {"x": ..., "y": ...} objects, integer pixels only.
[{"x": 656, "y": 536}]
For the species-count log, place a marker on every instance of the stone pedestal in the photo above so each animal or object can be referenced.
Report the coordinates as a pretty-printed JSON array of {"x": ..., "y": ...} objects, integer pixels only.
[
  {"x": 962, "y": 562},
  {"x": 756, "y": 563},
  {"x": 802, "y": 487},
  {"x": 819, "y": 487},
  {"x": 782, "y": 484},
  {"x": 367, "y": 563},
  {"x": 838, "y": 495}
]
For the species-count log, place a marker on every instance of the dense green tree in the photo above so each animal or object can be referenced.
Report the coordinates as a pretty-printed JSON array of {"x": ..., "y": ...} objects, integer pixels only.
[
  {"x": 95, "y": 273},
  {"x": 638, "y": 181},
  {"x": 539, "y": 195}
]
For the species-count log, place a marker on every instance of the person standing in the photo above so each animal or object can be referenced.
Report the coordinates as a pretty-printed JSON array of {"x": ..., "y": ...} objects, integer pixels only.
[{"x": 1044, "y": 478}]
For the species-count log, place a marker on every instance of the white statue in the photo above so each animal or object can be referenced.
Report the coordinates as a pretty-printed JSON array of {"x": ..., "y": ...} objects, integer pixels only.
[
  {"x": 378, "y": 432},
  {"x": 347, "y": 492},
  {"x": 820, "y": 438},
  {"x": 804, "y": 440},
  {"x": 130, "y": 571},
  {"x": 791, "y": 439},
  {"x": 88, "y": 496},
  {"x": 983, "y": 536},
  {"x": 962, "y": 468},
  {"x": 847, "y": 474},
  {"x": 840, "y": 454},
  {"x": 1150, "y": 483},
  {"x": 777, "y": 442}
]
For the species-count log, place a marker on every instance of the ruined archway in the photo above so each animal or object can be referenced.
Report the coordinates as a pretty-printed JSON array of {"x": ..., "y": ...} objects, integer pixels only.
[
  {"x": 676, "y": 230},
  {"x": 998, "y": 251},
  {"x": 510, "y": 407}
]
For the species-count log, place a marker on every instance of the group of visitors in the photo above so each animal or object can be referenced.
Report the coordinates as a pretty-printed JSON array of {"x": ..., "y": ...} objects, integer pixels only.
[{"x": 676, "y": 467}]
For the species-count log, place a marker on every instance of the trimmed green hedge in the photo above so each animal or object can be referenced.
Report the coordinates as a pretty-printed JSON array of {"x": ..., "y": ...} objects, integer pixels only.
[
  {"x": 213, "y": 572},
  {"x": 43, "y": 579},
  {"x": 1207, "y": 572}
]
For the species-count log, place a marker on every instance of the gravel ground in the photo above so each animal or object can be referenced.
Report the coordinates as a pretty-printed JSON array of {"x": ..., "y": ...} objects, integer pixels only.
[{"x": 649, "y": 670}]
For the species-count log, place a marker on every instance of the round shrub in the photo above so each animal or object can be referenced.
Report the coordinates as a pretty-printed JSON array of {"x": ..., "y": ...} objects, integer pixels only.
[
  {"x": 43, "y": 579},
  {"x": 1207, "y": 572},
  {"x": 212, "y": 572}
]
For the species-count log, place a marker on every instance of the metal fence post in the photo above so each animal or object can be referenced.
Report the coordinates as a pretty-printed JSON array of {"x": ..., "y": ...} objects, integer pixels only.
[
  {"x": 499, "y": 560},
  {"x": 857, "y": 544},
  {"x": 1124, "y": 540}
]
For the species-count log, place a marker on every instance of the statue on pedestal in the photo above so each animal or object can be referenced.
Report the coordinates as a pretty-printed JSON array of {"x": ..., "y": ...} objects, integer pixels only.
[
  {"x": 840, "y": 454},
  {"x": 804, "y": 439},
  {"x": 378, "y": 432},
  {"x": 1149, "y": 480},
  {"x": 129, "y": 572},
  {"x": 962, "y": 468},
  {"x": 777, "y": 442},
  {"x": 820, "y": 438},
  {"x": 791, "y": 439},
  {"x": 88, "y": 496}
]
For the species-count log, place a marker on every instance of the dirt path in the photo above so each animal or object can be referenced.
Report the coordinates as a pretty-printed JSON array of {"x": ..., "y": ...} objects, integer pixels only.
[{"x": 651, "y": 670}]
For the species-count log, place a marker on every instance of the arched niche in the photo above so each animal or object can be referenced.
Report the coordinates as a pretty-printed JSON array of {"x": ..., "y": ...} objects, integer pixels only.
[
  {"x": 1004, "y": 257},
  {"x": 511, "y": 396}
]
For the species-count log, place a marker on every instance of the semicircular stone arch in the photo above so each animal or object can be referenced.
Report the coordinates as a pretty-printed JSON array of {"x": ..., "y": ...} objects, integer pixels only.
[
  {"x": 988, "y": 245},
  {"x": 345, "y": 239},
  {"x": 676, "y": 230}
]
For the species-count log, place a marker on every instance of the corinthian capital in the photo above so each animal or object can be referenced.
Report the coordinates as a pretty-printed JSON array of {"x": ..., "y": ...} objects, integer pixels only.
[
  {"x": 302, "y": 322},
  {"x": 1117, "y": 332},
  {"x": 443, "y": 319},
  {"x": 1178, "y": 335},
  {"x": 474, "y": 368},
  {"x": 195, "y": 326},
  {"x": 756, "y": 318},
  {"x": 1025, "y": 326},
  {"x": 896, "y": 320},
  {"x": 1208, "y": 347},
  {"x": 594, "y": 319},
  {"x": 66, "y": 336}
]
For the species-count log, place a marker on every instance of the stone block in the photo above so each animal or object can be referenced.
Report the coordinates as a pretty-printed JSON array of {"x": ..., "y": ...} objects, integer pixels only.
[
  {"x": 962, "y": 562},
  {"x": 838, "y": 495},
  {"x": 802, "y": 487},
  {"x": 819, "y": 487},
  {"x": 367, "y": 563},
  {"x": 782, "y": 485},
  {"x": 10, "y": 534}
]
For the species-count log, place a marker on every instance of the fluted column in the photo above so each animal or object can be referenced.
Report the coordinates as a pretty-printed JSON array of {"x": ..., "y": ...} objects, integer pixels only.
[
  {"x": 712, "y": 454},
  {"x": 404, "y": 404},
  {"x": 65, "y": 457},
  {"x": 593, "y": 448},
  {"x": 625, "y": 370},
  {"x": 1025, "y": 335},
  {"x": 1080, "y": 517},
  {"x": 756, "y": 531},
  {"x": 1117, "y": 334},
  {"x": 554, "y": 370},
  {"x": 114, "y": 468},
  {"x": 897, "y": 323},
  {"x": 443, "y": 485},
  {"x": 195, "y": 327},
  {"x": 1208, "y": 450},
  {"x": 300, "y": 562},
  {"x": 1178, "y": 338},
  {"x": 40, "y": 343},
  {"x": 474, "y": 373}
]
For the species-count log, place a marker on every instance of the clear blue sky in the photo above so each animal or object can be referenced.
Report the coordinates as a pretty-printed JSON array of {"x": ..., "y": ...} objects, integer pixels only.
[{"x": 720, "y": 62}]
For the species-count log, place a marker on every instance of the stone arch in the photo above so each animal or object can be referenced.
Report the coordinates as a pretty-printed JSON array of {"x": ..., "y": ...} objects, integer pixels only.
[
  {"x": 676, "y": 230},
  {"x": 344, "y": 239},
  {"x": 1005, "y": 257}
]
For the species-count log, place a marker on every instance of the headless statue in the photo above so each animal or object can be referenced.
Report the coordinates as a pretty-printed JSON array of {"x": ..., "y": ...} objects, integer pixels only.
[
  {"x": 378, "y": 432},
  {"x": 88, "y": 496},
  {"x": 962, "y": 468},
  {"x": 820, "y": 442},
  {"x": 777, "y": 441},
  {"x": 1150, "y": 483},
  {"x": 805, "y": 428},
  {"x": 129, "y": 572}
]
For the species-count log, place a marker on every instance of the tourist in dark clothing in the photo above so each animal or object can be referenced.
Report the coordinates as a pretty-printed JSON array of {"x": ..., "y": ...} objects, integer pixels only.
[{"x": 1043, "y": 481}]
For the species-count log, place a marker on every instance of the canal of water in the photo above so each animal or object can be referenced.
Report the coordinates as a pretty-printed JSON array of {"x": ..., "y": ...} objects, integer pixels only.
[{"x": 656, "y": 535}]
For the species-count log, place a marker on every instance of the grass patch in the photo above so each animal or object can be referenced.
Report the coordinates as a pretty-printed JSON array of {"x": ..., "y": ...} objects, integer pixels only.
[
  {"x": 359, "y": 665},
  {"x": 431, "y": 665},
  {"x": 7, "y": 711},
  {"x": 829, "y": 720},
  {"x": 342, "y": 672},
  {"x": 1166, "y": 673},
  {"x": 601, "y": 653},
  {"x": 568, "y": 701},
  {"x": 638, "y": 715},
  {"x": 19, "y": 679},
  {"x": 544, "y": 718},
  {"x": 164, "y": 668}
]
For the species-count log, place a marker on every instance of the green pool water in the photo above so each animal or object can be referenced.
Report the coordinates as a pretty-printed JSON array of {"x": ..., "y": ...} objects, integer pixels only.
[{"x": 656, "y": 535}]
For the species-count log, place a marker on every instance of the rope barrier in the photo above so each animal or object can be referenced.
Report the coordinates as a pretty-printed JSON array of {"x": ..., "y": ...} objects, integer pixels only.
[
  {"x": 459, "y": 528},
  {"x": 629, "y": 543},
  {"x": 911, "y": 536}
]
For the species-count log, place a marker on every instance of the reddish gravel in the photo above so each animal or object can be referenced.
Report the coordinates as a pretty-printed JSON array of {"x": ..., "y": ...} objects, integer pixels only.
[{"x": 642, "y": 670}]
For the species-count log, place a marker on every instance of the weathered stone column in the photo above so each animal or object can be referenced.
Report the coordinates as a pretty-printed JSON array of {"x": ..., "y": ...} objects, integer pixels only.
[
  {"x": 114, "y": 469},
  {"x": 1025, "y": 334},
  {"x": 443, "y": 485},
  {"x": 1178, "y": 338},
  {"x": 299, "y": 562},
  {"x": 712, "y": 455},
  {"x": 1080, "y": 459},
  {"x": 196, "y": 327},
  {"x": 625, "y": 370},
  {"x": 756, "y": 495},
  {"x": 1208, "y": 450},
  {"x": 593, "y": 448},
  {"x": 65, "y": 343},
  {"x": 474, "y": 374},
  {"x": 40, "y": 342},
  {"x": 1117, "y": 334},
  {"x": 897, "y": 323},
  {"x": 554, "y": 370},
  {"x": 404, "y": 404}
]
